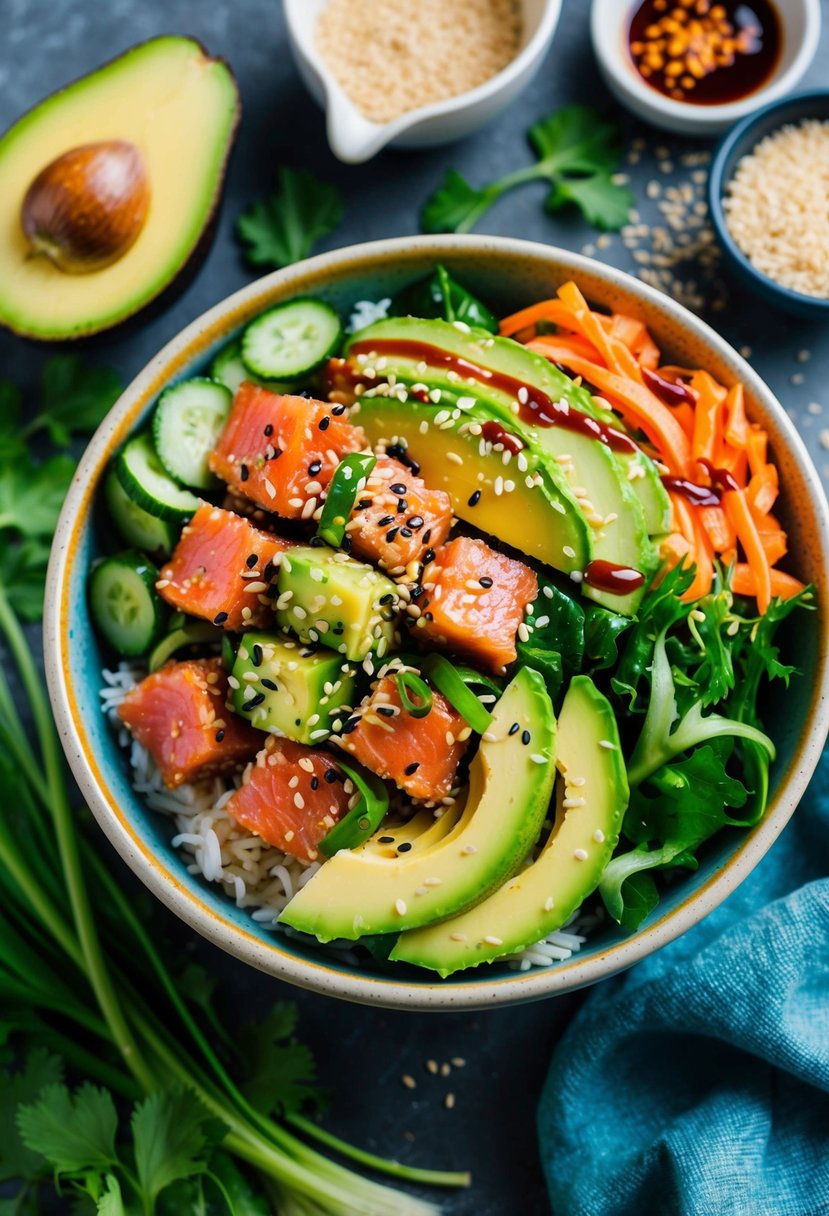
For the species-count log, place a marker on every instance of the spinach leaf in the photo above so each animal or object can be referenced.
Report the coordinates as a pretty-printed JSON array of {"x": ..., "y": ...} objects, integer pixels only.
[{"x": 442, "y": 296}]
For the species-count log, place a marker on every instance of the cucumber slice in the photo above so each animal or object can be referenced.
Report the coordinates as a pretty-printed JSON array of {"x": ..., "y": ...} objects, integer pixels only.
[
  {"x": 228, "y": 368},
  {"x": 195, "y": 633},
  {"x": 137, "y": 527},
  {"x": 187, "y": 423},
  {"x": 289, "y": 341},
  {"x": 125, "y": 607},
  {"x": 148, "y": 483}
]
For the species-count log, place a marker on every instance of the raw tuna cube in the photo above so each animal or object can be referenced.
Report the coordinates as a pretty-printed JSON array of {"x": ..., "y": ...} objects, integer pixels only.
[
  {"x": 292, "y": 798},
  {"x": 212, "y": 572},
  {"x": 178, "y": 713},
  {"x": 475, "y": 600},
  {"x": 396, "y": 518},
  {"x": 281, "y": 452},
  {"x": 421, "y": 755}
]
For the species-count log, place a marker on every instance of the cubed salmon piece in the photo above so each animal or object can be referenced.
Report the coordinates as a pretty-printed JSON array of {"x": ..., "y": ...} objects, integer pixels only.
[
  {"x": 281, "y": 452},
  {"x": 475, "y": 601},
  {"x": 397, "y": 518},
  {"x": 292, "y": 797},
  {"x": 178, "y": 713},
  {"x": 421, "y": 755},
  {"x": 221, "y": 570}
]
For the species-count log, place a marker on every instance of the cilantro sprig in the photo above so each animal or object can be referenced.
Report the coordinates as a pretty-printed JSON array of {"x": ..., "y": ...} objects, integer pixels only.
[
  {"x": 284, "y": 227},
  {"x": 577, "y": 155}
]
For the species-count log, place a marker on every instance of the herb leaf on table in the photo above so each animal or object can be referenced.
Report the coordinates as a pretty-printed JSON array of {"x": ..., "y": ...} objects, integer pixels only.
[
  {"x": 284, "y": 227},
  {"x": 74, "y": 398},
  {"x": 282, "y": 1071},
  {"x": 577, "y": 155}
]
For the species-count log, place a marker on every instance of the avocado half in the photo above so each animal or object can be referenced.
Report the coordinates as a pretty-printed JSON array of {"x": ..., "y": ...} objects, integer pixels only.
[{"x": 180, "y": 107}]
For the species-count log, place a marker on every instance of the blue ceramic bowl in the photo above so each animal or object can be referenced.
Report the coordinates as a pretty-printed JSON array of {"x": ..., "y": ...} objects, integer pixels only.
[
  {"x": 738, "y": 143},
  {"x": 508, "y": 274}
]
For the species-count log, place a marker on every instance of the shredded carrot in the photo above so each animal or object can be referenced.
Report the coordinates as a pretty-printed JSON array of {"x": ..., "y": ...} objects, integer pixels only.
[
  {"x": 545, "y": 310},
  {"x": 615, "y": 354},
  {"x": 559, "y": 348},
  {"x": 707, "y": 415},
  {"x": 783, "y": 586},
  {"x": 685, "y": 415},
  {"x": 636, "y": 338},
  {"x": 756, "y": 449},
  {"x": 763, "y": 490},
  {"x": 736, "y": 423},
  {"x": 742, "y": 521},
  {"x": 699, "y": 551},
  {"x": 718, "y": 528}
]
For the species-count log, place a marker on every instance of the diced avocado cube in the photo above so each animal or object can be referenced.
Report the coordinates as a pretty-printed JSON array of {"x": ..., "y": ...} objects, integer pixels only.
[
  {"x": 327, "y": 596},
  {"x": 286, "y": 688}
]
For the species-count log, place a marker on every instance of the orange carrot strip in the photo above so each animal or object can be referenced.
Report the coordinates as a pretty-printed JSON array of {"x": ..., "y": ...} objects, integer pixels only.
[
  {"x": 756, "y": 447},
  {"x": 615, "y": 354},
  {"x": 763, "y": 490},
  {"x": 685, "y": 415},
  {"x": 560, "y": 347},
  {"x": 636, "y": 338},
  {"x": 718, "y": 528},
  {"x": 673, "y": 548},
  {"x": 736, "y": 424},
  {"x": 732, "y": 459},
  {"x": 742, "y": 521},
  {"x": 637, "y": 405},
  {"x": 545, "y": 310},
  {"x": 775, "y": 545},
  {"x": 783, "y": 586},
  {"x": 700, "y": 550},
  {"x": 710, "y": 397}
]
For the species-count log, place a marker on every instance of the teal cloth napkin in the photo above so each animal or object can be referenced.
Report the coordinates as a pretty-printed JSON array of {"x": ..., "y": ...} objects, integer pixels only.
[{"x": 697, "y": 1084}]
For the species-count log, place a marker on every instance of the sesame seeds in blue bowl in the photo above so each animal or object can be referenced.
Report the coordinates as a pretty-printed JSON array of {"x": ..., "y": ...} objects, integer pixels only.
[{"x": 768, "y": 192}]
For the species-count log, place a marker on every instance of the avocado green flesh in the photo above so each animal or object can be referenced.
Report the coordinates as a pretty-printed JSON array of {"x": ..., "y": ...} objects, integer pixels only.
[
  {"x": 542, "y": 520},
  {"x": 544, "y": 895},
  {"x": 643, "y": 477},
  {"x": 596, "y": 477},
  {"x": 294, "y": 702},
  {"x": 179, "y": 107},
  {"x": 336, "y": 600},
  {"x": 360, "y": 892}
]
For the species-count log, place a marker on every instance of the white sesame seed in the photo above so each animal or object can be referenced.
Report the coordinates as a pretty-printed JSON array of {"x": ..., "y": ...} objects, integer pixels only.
[
  {"x": 580, "y": 854},
  {"x": 400, "y": 907}
]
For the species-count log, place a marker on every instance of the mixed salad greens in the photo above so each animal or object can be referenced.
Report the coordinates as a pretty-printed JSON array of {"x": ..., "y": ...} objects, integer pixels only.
[{"x": 481, "y": 611}]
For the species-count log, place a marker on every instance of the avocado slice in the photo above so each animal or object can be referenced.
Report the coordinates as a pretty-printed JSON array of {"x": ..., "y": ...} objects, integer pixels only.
[
  {"x": 597, "y": 478},
  {"x": 284, "y": 688},
  {"x": 180, "y": 108},
  {"x": 327, "y": 596},
  {"x": 543, "y": 897},
  {"x": 510, "y": 782},
  {"x": 532, "y": 509}
]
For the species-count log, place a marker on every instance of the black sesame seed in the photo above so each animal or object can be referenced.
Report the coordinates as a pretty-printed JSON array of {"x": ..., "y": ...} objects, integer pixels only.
[
  {"x": 402, "y": 505},
  {"x": 256, "y": 654},
  {"x": 243, "y": 472},
  {"x": 315, "y": 783},
  {"x": 385, "y": 840},
  {"x": 269, "y": 571},
  {"x": 385, "y": 521},
  {"x": 347, "y": 543},
  {"x": 485, "y": 581},
  {"x": 364, "y": 504},
  {"x": 220, "y": 618},
  {"x": 429, "y": 555},
  {"x": 338, "y": 411},
  {"x": 266, "y": 683},
  {"x": 397, "y": 487},
  {"x": 329, "y": 776},
  {"x": 427, "y": 536},
  {"x": 324, "y": 423},
  {"x": 411, "y": 768},
  {"x": 269, "y": 429},
  {"x": 404, "y": 847},
  {"x": 251, "y": 560},
  {"x": 350, "y": 725},
  {"x": 398, "y": 452},
  {"x": 391, "y": 534},
  {"x": 416, "y": 592},
  {"x": 277, "y": 452},
  {"x": 514, "y": 729},
  {"x": 387, "y": 599},
  {"x": 415, "y": 522},
  {"x": 474, "y": 498},
  {"x": 385, "y": 711},
  {"x": 314, "y": 468},
  {"x": 254, "y": 701},
  {"x": 407, "y": 532},
  {"x": 272, "y": 591},
  {"x": 525, "y": 737},
  {"x": 220, "y": 734},
  {"x": 428, "y": 616}
]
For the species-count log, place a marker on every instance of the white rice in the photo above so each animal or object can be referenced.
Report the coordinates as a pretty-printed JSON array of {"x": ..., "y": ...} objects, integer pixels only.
[{"x": 252, "y": 873}]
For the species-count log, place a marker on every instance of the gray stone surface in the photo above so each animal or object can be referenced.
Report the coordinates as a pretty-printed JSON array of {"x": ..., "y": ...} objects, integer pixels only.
[{"x": 363, "y": 1052}]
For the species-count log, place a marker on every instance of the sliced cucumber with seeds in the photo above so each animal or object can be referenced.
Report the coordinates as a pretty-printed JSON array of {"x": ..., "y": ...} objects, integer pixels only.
[
  {"x": 228, "y": 368},
  {"x": 194, "y": 633},
  {"x": 124, "y": 604},
  {"x": 187, "y": 423},
  {"x": 137, "y": 527},
  {"x": 289, "y": 341},
  {"x": 148, "y": 483}
]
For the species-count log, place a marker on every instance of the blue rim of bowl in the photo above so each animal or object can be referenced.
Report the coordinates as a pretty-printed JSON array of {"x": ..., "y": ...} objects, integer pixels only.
[{"x": 716, "y": 189}]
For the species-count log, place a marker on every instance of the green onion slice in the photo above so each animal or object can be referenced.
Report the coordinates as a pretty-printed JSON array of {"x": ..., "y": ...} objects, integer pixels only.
[
  {"x": 194, "y": 634},
  {"x": 362, "y": 820},
  {"x": 350, "y": 477},
  {"x": 454, "y": 683},
  {"x": 409, "y": 684}
]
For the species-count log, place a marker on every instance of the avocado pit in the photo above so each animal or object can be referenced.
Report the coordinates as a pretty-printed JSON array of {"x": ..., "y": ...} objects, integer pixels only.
[{"x": 86, "y": 208}]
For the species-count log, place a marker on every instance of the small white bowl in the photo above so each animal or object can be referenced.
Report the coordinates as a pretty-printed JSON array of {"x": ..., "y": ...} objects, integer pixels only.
[
  {"x": 354, "y": 139},
  {"x": 609, "y": 26}
]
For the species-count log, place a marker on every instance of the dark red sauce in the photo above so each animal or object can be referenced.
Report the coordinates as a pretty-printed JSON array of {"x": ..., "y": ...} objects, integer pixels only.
[
  {"x": 721, "y": 479},
  {"x": 607, "y": 576},
  {"x": 700, "y": 496},
  {"x": 534, "y": 406},
  {"x": 495, "y": 433},
  {"x": 705, "y": 51},
  {"x": 672, "y": 392}
]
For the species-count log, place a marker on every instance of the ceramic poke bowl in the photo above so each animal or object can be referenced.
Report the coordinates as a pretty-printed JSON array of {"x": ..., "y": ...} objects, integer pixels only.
[{"x": 508, "y": 274}]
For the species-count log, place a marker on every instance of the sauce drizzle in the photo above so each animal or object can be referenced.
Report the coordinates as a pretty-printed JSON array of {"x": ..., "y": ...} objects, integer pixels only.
[
  {"x": 700, "y": 496},
  {"x": 493, "y": 432},
  {"x": 607, "y": 576},
  {"x": 672, "y": 392}
]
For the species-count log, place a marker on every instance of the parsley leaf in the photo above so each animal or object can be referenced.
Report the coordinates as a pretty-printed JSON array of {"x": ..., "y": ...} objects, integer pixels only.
[
  {"x": 12, "y": 444},
  {"x": 22, "y": 577},
  {"x": 31, "y": 495},
  {"x": 73, "y": 1132},
  {"x": 41, "y": 1069},
  {"x": 171, "y": 1129},
  {"x": 74, "y": 398},
  {"x": 283, "y": 1075},
  {"x": 577, "y": 155},
  {"x": 110, "y": 1200},
  {"x": 284, "y": 227}
]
